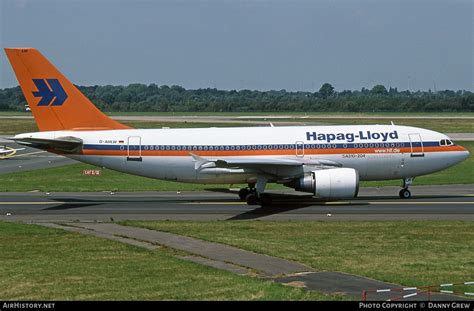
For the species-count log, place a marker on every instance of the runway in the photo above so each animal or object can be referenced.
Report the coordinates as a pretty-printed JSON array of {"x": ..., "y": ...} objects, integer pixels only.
[{"x": 428, "y": 203}]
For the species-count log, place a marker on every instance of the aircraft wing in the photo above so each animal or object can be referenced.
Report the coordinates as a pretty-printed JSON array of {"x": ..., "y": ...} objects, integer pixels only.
[
  {"x": 66, "y": 144},
  {"x": 270, "y": 166}
]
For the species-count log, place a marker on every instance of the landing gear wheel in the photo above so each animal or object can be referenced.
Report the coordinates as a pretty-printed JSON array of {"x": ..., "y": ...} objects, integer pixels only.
[
  {"x": 405, "y": 194},
  {"x": 265, "y": 200},
  {"x": 252, "y": 199},
  {"x": 243, "y": 193}
]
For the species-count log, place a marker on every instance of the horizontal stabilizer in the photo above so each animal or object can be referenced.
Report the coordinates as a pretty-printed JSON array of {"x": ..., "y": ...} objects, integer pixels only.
[{"x": 67, "y": 144}]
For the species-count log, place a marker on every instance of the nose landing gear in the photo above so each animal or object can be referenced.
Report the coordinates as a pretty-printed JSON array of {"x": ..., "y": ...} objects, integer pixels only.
[{"x": 405, "y": 194}]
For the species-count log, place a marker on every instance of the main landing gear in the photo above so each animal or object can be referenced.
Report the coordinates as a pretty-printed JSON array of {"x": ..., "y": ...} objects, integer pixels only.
[
  {"x": 254, "y": 195},
  {"x": 244, "y": 192},
  {"x": 405, "y": 193}
]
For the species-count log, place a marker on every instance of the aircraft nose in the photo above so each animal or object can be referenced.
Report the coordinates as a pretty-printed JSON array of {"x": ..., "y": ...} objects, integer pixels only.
[
  {"x": 463, "y": 154},
  {"x": 466, "y": 153}
]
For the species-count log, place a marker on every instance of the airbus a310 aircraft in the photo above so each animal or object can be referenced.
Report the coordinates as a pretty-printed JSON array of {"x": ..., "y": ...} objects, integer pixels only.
[{"x": 327, "y": 161}]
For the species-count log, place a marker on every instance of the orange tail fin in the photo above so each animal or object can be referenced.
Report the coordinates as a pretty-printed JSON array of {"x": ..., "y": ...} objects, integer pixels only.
[{"x": 55, "y": 102}]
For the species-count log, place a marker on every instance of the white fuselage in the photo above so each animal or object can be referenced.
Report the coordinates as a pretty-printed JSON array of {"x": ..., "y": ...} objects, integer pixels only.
[{"x": 377, "y": 152}]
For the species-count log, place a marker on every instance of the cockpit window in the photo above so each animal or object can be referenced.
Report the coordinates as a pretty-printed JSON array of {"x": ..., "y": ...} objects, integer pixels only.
[{"x": 445, "y": 142}]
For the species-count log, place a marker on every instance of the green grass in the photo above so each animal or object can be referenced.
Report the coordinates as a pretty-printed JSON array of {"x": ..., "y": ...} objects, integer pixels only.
[
  {"x": 16, "y": 126},
  {"x": 263, "y": 113},
  {"x": 292, "y": 113},
  {"x": 70, "y": 178},
  {"x": 39, "y": 263},
  {"x": 15, "y": 113},
  {"x": 411, "y": 253},
  {"x": 445, "y": 125},
  {"x": 157, "y": 125}
]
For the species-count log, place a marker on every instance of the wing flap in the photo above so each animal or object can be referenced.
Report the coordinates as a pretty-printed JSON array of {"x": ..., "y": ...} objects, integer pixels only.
[{"x": 256, "y": 162}]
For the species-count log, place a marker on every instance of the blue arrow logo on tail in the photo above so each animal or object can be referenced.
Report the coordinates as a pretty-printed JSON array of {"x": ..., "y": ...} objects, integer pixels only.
[{"x": 48, "y": 93}]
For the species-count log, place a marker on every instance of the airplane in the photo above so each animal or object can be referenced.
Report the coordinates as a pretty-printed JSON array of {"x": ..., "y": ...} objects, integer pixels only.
[
  {"x": 327, "y": 161},
  {"x": 8, "y": 152}
]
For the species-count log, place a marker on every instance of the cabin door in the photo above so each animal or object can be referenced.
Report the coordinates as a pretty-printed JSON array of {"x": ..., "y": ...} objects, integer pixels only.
[
  {"x": 134, "y": 148},
  {"x": 299, "y": 149},
  {"x": 416, "y": 145}
]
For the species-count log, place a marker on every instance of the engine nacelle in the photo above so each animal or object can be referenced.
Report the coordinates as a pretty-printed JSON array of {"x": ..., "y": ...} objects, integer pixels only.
[{"x": 335, "y": 183}]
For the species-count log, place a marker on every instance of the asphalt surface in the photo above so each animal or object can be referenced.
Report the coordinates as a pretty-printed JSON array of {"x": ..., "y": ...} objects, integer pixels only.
[
  {"x": 29, "y": 159},
  {"x": 93, "y": 214},
  {"x": 454, "y": 202}
]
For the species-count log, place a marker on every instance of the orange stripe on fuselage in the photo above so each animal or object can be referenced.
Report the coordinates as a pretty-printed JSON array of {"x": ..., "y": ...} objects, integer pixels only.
[{"x": 236, "y": 153}]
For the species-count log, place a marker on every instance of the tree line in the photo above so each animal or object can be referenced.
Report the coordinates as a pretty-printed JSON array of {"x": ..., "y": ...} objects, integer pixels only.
[{"x": 141, "y": 97}]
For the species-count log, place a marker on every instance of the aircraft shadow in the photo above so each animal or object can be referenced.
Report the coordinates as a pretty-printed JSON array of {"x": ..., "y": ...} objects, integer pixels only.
[
  {"x": 66, "y": 206},
  {"x": 71, "y": 204},
  {"x": 286, "y": 202},
  {"x": 282, "y": 203},
  {"x": 274, "y": 209},
  {"x": 374, "y": 197}
]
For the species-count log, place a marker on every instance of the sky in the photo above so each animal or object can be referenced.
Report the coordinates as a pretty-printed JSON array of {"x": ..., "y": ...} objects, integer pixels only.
[{"x": 259, "y": 45}]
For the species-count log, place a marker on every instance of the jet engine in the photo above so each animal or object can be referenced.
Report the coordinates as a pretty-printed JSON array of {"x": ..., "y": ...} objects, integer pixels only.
[{"x": 335, "y": 183}]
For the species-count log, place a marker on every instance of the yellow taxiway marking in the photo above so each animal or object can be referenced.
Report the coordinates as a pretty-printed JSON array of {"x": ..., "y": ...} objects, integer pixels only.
[
  {"x": 9, "y": 155},
  {"x": 243, "y": 203},
  {"x": 335, "y": 203},
  {"x": 24, "y": 154},
  {"x": 30, "y": 203},
  {"x": 108, "y": 202},
  {"x": 332, "y": 203}
]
